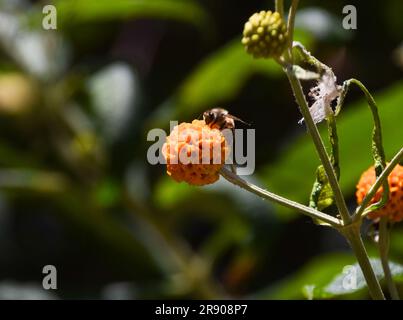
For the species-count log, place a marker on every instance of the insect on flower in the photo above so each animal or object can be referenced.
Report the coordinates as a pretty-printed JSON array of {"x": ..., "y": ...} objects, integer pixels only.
[
  {"x": 219, "y": 118},
  {"x": 185, "y": 158}
]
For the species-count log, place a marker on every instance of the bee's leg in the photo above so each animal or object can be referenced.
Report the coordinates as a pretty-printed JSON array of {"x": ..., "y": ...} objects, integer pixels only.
[{"x": 233, "y": 165}]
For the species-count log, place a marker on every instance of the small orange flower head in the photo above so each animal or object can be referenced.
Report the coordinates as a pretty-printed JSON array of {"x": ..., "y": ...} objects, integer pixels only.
[
  {"x": 195, "y": 153},
  {"x": 393, "y": 209}
]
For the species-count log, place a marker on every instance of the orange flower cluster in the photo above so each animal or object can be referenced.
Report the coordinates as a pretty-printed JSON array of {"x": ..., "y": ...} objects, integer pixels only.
[
  {"x": 195, "y": 153},
  {"x": 394, "y": 207}
]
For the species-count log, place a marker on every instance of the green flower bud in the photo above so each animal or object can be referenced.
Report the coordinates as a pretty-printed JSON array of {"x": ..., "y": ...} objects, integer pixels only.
[{"x": 265, "y": 35}]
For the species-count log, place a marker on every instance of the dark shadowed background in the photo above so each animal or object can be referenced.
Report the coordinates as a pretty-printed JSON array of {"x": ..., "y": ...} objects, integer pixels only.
[{"x": 77, "y": 192}]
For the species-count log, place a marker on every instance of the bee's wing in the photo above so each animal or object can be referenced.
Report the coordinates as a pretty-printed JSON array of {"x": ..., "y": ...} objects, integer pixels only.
[{"x": 237, "y": 119}]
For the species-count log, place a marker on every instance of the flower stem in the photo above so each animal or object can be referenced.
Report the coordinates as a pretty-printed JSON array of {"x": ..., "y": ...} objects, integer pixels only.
[
  {"x": 279, "y": 7},
  {"x": 377, "y": 146},
  {"x": 384, "y": 253},
  {"x": 350, "y": 231},
  {"x": 320, "y": 148},
  {"x": 235, "y": 179},
  {"x": 353, "y": 235},
  {"x": 290, "y": 25}
]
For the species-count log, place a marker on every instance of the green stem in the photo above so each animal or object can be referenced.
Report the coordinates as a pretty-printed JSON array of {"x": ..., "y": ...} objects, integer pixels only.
[
  {"x": 352, "y": 233},
  {"x": 362, "y": 210},
  {"x": 377, "y": 134},
  {"x": 290, "y": 25},
  {"x": 320, "y": 148},
  {"x": 384, "y": 253},
  {"x": 309, "y": 58},
  {"x": 233, "y": 178},
  {"x": 377, "y": 146},
  {"x": 334, "y": 142},
  {"x": 279, "y": 7}
]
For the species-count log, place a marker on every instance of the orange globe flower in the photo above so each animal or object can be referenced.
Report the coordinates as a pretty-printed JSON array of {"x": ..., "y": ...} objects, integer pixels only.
[
  {"x": 195, "y": 153},
  {"x": 393, "y": 209}
]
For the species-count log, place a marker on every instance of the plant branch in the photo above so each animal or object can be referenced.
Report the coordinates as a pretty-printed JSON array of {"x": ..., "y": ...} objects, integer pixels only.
[
  {"x": 290, "y": 25},
  {"x": 279, "y": 7},
  {"x": 352, "y": 233},
  {"x": 309, "y": 58},
  {"x": 235, "y": 179},
  {"x": 383, "y": 243},
  {"x": 334, "y": 142},
  {"x": 377, "y": 146},
  {"x": 320, "y": 148}
]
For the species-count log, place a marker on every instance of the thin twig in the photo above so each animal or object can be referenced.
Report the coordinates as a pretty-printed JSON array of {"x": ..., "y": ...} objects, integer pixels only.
[
  {"x": 279, "y": 7},
  {"x": 319, "y": 145},
  {"x": 384, "y": 254},
  {"x": 235, "y": 179},
  {"x": 378, "y": 152},
  {"x": 290, "y": 25},
  {"x": 353, "y": 235}
]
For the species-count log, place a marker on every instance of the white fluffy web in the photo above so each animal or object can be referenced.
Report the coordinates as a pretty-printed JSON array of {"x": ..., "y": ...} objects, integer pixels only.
[{"x": 325, "y": 91}]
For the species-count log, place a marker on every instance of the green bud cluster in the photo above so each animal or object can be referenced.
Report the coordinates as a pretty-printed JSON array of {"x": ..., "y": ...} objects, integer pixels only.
[{"x": 265, "y": 35}]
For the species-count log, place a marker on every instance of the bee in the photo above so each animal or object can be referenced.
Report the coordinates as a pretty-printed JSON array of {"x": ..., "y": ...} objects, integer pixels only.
[{"x": 219, "y": 118}]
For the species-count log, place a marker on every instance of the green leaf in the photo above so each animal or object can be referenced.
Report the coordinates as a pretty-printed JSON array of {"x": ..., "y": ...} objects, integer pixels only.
[
  {"x": 328, "y": 276},
  {"x": 169, "y": 193},
  {"x": 351, "y": 279},
  {"x": 289, "y": 175},
  {"x": 84, "y": 11},
  {"x": 217, "y": 79},
  {"x": 13, "y": 290},
  {"x": 317, "y": 273},
  {"x": 222, "y": 75},
  {"x": 106, "y": 193}
]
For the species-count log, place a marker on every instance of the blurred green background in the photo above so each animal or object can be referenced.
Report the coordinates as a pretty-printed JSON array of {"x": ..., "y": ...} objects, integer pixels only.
[{"x": 77, "y": 192}]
